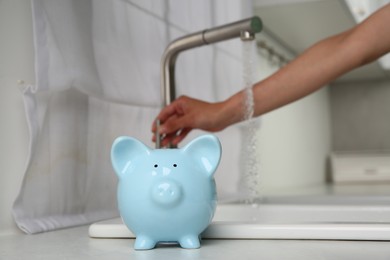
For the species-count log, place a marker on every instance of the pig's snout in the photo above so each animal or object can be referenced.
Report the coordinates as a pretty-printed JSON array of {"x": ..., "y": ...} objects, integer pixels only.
[{"x": 166, "y": 193}]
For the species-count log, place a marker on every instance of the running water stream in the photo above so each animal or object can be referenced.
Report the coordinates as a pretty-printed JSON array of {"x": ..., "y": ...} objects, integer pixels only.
[{"x": 250, "y": 161}]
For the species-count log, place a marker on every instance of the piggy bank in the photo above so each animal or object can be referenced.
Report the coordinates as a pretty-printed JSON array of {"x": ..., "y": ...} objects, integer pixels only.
[{"x": 166, "y": 195}]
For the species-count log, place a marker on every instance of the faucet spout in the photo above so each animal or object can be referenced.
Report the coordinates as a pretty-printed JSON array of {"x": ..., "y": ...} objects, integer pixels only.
[{"x": 245, "y": 29}]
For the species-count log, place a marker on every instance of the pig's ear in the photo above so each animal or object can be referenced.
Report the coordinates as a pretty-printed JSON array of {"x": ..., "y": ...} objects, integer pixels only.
[
  {"x": 123, "y": 151},
  {"x": 206, "y": 151}
]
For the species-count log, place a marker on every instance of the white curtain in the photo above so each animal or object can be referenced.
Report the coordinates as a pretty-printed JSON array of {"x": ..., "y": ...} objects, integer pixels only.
[{"x": 97, "y": 77}]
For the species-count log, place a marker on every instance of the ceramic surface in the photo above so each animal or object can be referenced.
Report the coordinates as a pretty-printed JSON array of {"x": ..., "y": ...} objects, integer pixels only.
[{"x": 166, "y": 195}]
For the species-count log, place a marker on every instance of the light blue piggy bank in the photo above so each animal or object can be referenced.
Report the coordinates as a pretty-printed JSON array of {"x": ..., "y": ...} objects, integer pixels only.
[{"x": 166, "y": 195}]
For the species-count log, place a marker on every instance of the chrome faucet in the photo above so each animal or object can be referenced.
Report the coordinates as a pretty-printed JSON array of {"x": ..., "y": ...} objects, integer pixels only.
[{"x": 245, "y": 29}]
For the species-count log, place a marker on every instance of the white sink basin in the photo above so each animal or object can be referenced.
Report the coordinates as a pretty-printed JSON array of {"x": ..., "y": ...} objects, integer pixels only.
[{"x": 318, "y": 217}]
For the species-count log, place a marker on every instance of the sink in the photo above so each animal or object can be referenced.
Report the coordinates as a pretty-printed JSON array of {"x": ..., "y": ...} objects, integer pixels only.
[{"x": 299, "y": 217}]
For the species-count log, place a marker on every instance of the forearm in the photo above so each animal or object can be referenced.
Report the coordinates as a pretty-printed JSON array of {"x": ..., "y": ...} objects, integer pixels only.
[
  {"x": 313, "y": 69},
  {"x": 319, "y": 65},
  {"x": 302, "y": 76}
]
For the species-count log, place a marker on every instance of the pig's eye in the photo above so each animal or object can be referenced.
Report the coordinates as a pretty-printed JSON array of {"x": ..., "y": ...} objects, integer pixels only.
[
  {"x": 175, "y": 165},
  {"x": 156, "y": 165}
]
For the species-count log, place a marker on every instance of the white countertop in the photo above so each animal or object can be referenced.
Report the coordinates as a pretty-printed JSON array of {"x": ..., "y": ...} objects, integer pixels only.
[{"x": 74, "y": 243}]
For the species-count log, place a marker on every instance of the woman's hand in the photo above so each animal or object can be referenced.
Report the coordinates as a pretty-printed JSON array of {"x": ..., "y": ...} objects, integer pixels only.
[{"x": 184, "y": 114}]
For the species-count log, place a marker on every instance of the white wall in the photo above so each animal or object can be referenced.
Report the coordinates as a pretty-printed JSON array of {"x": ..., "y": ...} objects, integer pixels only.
[
  {"x": 360, "y": 115},
  {"x": 16, "y": 63},
  {"x": 294, "y": 143},
  {"x": 295, "y": 140}
]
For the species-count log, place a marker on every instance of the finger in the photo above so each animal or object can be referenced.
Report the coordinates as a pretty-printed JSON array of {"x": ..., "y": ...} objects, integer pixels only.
[
  {"x": 165, "y": 114},
  {"x": 180, "y": 136},
  {"x": 168, "y": 111},
  {"x": 169, "y": 129},
  {"x": 154, "y": 137},
  {"x": 173, "y": 125},
  {"x": 175, "y": 138},
  {"x": 153, "y": 129},
  {"x": 167, "y": 140}
]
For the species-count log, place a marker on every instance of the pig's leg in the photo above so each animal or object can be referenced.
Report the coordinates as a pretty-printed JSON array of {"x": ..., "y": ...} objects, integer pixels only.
[
  {"x": 144, "y": 242},
  {"x": 190, "y": 241}
]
